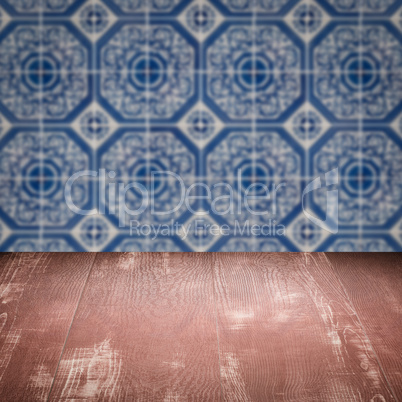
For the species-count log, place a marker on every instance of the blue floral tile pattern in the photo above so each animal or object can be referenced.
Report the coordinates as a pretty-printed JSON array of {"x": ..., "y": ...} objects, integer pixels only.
[
  {"x": 48, "y": 243},
  {"x": 368, "y": 194},
  {"x": 352, "y": 7},
  {"x": 48, "y": 7},
  {"x": 307, "y": 18},
  {"x": 94, "y": 18},
  {"x": 247, "y": 7},
  {"x": 353, "y": 62},
  {"x": 140, "y": 7},
  {"x": 201, "y": 125},
  {"x": 265, "y": 84},
  {"x": 94, "y": 125},
  {"x": 44, "y": 71},
  {"x": 147, "y": 71},
  {"x": 307, "y": 125},
  {"x": 200, "y": 18}
]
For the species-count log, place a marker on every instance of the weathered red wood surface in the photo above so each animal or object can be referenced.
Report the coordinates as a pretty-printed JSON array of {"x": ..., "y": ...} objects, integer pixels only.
[
  {"x": 373, "y": 282},
  {"x": 39, "y": 294},
  {"x": 202, "y": 327},
  {"x": 288, "y": 332},
  {"x": 145, "y": 330}
]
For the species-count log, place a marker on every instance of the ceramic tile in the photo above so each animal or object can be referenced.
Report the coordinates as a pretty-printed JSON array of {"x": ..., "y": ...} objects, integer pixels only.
[{"x": 305, "y": 95}]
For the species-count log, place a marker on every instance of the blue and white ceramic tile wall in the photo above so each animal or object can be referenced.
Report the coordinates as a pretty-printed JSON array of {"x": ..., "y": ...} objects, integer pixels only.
[{"x": 286, "y": 90}]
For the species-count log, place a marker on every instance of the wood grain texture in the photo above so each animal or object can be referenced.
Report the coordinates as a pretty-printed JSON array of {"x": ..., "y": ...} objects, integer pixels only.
[
  {"x": 39, "y": 293},
  {"x": 181, "y": 326},
  {"x": 373, "y": 282},
  {"x": 4, "y": 257},
  {"x": 145, "y": 330},
  {"x": 287, "y": 332}
]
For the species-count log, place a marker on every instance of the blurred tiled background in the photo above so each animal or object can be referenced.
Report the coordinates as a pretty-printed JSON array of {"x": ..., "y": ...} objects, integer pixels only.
[{"x": 285, "y": 89}]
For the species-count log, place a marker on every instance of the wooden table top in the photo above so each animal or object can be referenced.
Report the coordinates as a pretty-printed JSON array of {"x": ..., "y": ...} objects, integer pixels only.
[{"x": 201, "y": 326}]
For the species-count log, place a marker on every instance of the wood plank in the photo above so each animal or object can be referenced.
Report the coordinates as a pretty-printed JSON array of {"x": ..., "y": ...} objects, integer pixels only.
[
  {"x": 145, "y": 330},
  {"x": 4, "y": 257},
  {"x": 39, "y": 293},
  {"x": 373, "y": 282},
  {"x": 287, "y": 332}
]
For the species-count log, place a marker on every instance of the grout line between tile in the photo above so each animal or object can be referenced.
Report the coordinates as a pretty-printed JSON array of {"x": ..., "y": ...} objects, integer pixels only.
[
  {"x": 138, "y": 18},
  {"x": 94, "y": 152},
  {"x": 360, "y": 125},
  {"x": 310, "y": 243},
  {"x": 147, "y": 102},
  {"x": 41, "y": 132},
  {"x": 199, "y": 71},
  {"x": 200, "y": 152}
]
